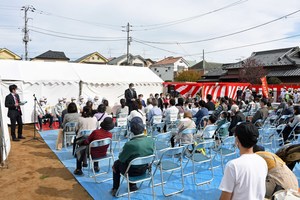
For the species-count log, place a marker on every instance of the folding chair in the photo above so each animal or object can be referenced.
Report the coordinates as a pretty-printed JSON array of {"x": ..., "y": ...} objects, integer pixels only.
[
  {"x": 201, "y": 158},
  {"x": 295, "y": 134},
  {"x": 266, "y": 135},
  {"x": 69, "y": 131},
  {"x": 172, "y": 126},
  {"x": 166, "y": 163},
  {"x": 148, "y": 176},
  {"x": 227, "y": 149},
  {"x": 116, "y": 136},
  {"x": 223, "y": 131},
  {"x": 109, "y": 156},
  {"x": 192, "y": 131},
  {"x": 156, "y": 122},
  {"x": 208, "y": 131},
  {"x": 83, "y": 133},
  {"x": 162, "y": 141}
]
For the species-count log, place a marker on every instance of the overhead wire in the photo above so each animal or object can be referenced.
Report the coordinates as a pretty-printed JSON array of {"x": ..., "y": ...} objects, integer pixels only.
[
  {"x": 171, "y": 23},
  {"x": 226, "y": 35}
]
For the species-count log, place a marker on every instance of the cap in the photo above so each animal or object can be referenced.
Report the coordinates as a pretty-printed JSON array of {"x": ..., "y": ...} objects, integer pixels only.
[
  {"x": 60, "y": 99},
  {"x": 137, "y": 126},
  {"x": 73, "y": 98},
  {"x": 96, "y": 97},
  {"x": 81, "y": 97},
  {"x": 107, "y": 124}
]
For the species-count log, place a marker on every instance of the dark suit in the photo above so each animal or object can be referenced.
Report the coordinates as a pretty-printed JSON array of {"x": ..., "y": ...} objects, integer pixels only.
[
  {"x": 128, "y": 96},
  {"x": 15, "y": 115}
]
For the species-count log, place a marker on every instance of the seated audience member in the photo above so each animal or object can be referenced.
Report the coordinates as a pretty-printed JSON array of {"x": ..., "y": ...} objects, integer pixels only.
[
  {"x": 289, "y": 110},
  {"x": 71, "y": 116},
  {"x": 221, "y": 107},
  {"x": 279, "y": 175},
  {"x": 59, "y": 107},
  {"x": 140, "y": 97},
  {"x": 222, "y": 120},
  {"x": 287, "y": 130},
  {"x": 148, "y": 107},
  {"x": 96, "y": 152},
  {"x": 195, "y": 108},
  {"x": 155, "y": 111},
  {"x": 96, "y": 103},
  {"x": 245, "y": 177},
  {"x": 179, "y": 105},
  {"x": 172, "y": 110},
  {"x": 44, "y": 111},
  {"x": 262, "y": 113},
  {"x": 210, "y": 105},
  {"x": 236, "y": 117},
  {"x": 101, "y": 114},
  {"x": 202, "y": 112},
  {"x": 137, "y": 111},
  {"x": 138, "y": 146},
  {"x": 108, "y": 108},
  {"x": 86, "y": 122},
  {"x": 185, "y": 123},
  {"x": 123, "y": 109}
]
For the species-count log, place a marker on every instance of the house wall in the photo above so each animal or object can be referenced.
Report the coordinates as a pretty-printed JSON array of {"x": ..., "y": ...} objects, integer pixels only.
[
  {"x": 95, "y": 59},
  {"x": 165, "y": 73},
  {"x": 138, "y": 62},
  {"x": 5, "y": 55},
  {"x": 180, "y": 66}
]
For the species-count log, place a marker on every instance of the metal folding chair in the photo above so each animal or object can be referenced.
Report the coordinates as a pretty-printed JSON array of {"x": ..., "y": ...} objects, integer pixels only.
[
  {"x": 69, "y": 131},
  {"x": 155, "y": 124},
  {"x": 116, "y": 137},
  {"x": 83, "y": 133},
  {"x": 109, "y": 156},
  {"x": 220, "y": 131},
  {"x": 208, "y": 131},
  {"x": 162, "y": 141},
  {"x": 166, "y": 163},
  {"x": 227, "y": 149},
  {"x": 192, "y": 131},
  {"x": 148, "y": 176},
  {"x": 295, "y": 135},
  {"x": 205, "y": 156}
]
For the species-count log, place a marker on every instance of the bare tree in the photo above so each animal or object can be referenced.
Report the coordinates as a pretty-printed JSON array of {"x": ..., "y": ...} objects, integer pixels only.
[{"x": 251, "y": 72}]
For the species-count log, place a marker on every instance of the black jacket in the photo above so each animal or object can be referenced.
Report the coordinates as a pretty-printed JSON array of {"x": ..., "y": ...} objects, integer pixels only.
[{"x": 10, "y": 104}]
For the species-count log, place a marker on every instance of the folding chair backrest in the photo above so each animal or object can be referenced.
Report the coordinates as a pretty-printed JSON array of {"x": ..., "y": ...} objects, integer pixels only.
[
  {"x": 123, "y": 115},
  {"x": 206, "y": 145},
  {"x": 142, "y": 160},
  {"x": 122, "y": 121},
  {"x": 156, "y": 119},
  {"x": 85, "y": 132},
  {"x": 189, "y": 131},
  {"x": 115, "y": 130},
  {"x": 99, "y": 143},
  {"x": 209, "y": 131},
  {"x": 229, "y": 141},
  {"x": 173, "y": 117},
  {"x": 70, "y": 127},
  {"x": 172, "y": 151},
  {"x": 164, "y": 136}
]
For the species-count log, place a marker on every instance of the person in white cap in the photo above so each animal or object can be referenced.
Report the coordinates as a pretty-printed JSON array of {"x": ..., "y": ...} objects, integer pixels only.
[
  {"x": 65, "y": 102},
  {"x": 81, "y": 103},
  {"x": 96, "y": 102},
  {"x": 73, "y": 99},
  {"x": 59, "y": 107},
  {"x": 44, "y": 111}
]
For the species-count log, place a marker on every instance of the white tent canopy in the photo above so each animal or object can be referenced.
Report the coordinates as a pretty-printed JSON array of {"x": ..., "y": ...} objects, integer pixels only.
[{"x": 59, "y": 79}]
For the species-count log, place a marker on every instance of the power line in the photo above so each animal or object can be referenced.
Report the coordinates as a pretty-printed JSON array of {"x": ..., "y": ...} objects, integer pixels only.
[
  {"x": 76, "y": 38},
  {"x": 69, "y": 34},
  {"x": 171, "y": 23},
  {"x": 226, "y": 35}
]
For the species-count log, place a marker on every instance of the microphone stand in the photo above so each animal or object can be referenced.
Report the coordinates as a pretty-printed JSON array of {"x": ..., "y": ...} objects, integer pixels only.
[{"x": 34, "y": 121}]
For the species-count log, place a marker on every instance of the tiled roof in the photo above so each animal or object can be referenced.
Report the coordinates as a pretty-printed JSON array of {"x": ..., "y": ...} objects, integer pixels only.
[
  {"x": 55, "y": 55},
  {"x": 208, "y": 65},
  {"x": 215, "y": 72},
  {"x": 168, "y": 60},
  {"x": 277, "y": 57},
  {"x": 131, "y": 57},
  {"x": 289, "y": 72}
]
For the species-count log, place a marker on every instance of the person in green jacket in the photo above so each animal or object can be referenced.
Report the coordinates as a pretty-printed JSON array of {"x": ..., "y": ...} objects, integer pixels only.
[{"x": 138, "y": 146}]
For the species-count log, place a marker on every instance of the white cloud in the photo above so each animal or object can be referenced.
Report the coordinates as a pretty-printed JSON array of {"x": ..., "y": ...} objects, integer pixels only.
[{"x": 118, "y": 12}]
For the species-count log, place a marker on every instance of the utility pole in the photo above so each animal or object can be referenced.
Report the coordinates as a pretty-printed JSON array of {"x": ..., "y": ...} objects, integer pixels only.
[
  {"x": 203, "y": 63},
  {"x": 128, "y": 39},
  {"x": 25, "y": 30}
]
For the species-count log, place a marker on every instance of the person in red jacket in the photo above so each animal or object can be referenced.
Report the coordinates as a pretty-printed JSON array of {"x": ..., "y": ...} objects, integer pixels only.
[{"x": 96, "y": 152}]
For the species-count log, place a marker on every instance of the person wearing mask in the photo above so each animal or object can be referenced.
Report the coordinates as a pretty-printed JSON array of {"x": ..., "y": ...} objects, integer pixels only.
[
  {"x": 123, "y": 109},
  {"x": 202, "y": 112},
  {"x": 245, "y": 177},
  {"x": 130, "y": 96},
  {"x": 101, "y": 113},
  {"x": 96, "y": 103},
  {"x": 155, "y": 111},
  {"x": 59, "y": 107},
  {"x": 262, "y": 113},
  {"x": 185, "y": 123},
  {"x": 137, "y": 112},
  {"x": 12, "y": 102},
  {"x": 142, "y": 100},
  {"x": 210, "y": 105},
  {"x": 236, "y": 117},
  {"x": 44, "y": 111},
  {"x": 291, "y": 125}
]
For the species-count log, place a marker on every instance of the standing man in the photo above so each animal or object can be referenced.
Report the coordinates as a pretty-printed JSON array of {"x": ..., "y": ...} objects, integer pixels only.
[
  {"x": 12, "y": 102},
  {"x": 130, "y": 96}
]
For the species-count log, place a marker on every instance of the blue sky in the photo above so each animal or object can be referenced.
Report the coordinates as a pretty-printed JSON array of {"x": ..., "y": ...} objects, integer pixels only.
[{"x": 54, "y": 22}]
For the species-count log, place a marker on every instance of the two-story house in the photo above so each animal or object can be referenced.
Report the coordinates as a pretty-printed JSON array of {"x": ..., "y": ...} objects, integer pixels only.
[
  {"x": 167, "y": 68},
  {"x": 137, "y": 60},
  {"x": 8, "y": 55},
  {"x": 92, "y": 58}
]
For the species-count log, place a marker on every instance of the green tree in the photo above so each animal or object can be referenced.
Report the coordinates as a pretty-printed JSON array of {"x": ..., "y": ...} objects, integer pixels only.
[{"x": 189, "y": 75}]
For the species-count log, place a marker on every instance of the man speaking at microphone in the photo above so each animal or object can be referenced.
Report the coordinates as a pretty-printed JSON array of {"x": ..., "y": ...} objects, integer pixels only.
[{"x": 12, "y": 102}]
